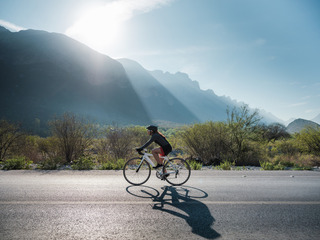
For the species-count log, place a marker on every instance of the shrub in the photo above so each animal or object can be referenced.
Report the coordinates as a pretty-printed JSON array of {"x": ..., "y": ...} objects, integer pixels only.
[
  {"x": 286, "y": 146},
  {"x": 226, "y": 165},
  {"x": 195, "y": 165},
  {"x": 296, "y": 161},
  {"x": 113, "y": 165},
  {"x": 274, "y": 165},
  {"x": 310, "y": 139},
  {"x": 83, "y": 163},
  {"x": 50, "y": 163},
  {"x": 243, "y": 127},
  {"x": 253, "y": 153},
  {"x": 206, "y": 141},
  {"x": 16, "y": 163},
  {"x": 73, "y": 134}
]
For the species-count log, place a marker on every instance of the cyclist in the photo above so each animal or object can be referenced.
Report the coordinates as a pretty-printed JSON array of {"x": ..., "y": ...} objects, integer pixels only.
[{"x": 157, "y": 137}]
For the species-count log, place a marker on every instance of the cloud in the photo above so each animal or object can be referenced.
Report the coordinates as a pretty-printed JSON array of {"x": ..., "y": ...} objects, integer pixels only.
[
  {"x": 314, "y": 110},
  {"x": 12, "y": 27},
  {"x": 305, "y": 97},
  {"x": 298, "y": 104}
]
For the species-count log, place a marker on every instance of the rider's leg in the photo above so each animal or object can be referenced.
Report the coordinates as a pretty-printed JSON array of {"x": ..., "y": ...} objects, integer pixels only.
[{"x": 155, "y": 153}]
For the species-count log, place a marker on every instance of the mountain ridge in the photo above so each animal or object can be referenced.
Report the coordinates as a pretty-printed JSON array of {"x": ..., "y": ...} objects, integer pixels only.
[
  {"x": 299, "y": 124},
  {"x": 45, "y": 74}
]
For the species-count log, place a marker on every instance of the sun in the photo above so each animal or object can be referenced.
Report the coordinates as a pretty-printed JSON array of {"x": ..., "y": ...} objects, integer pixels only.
[{"x": 100, "y": 27}]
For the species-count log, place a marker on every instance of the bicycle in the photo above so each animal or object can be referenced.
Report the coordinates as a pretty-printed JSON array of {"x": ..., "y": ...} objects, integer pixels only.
[{"x": 175, "y": 171}]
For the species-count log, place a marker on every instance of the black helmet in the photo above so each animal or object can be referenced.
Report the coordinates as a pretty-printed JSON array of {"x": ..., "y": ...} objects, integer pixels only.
[{"x": 152, "y": 128}]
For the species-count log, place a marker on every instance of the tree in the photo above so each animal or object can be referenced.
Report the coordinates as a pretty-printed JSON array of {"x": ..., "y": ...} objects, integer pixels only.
[
  {"x": 206, "y": 141},
  {"x": 119, "y": 142},
  {"x": 242, "y": 127},
  {"x": 74, "y": 135},
  {"x": 9, "y": 135},
  {"x": 274, "y": 131},
  {"x": 310, "y": 137}
]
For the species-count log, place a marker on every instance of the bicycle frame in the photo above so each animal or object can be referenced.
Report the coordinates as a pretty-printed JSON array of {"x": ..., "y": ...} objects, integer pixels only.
[{"x": 146, "y": 158}]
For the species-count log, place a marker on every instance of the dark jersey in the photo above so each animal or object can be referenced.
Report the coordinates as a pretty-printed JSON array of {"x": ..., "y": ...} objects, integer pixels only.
[{"x": 158, "y": 139}]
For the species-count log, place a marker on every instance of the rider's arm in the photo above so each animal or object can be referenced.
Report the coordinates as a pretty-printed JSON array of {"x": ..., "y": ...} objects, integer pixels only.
[{"x": 151, "y": 140}]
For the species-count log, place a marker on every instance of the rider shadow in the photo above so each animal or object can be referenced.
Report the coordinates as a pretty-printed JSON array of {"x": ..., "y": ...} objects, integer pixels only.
[{"x": 197, "y": 214}]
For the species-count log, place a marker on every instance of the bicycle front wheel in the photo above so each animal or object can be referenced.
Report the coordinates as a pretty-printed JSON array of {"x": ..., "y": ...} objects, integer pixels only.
[
  {"x": 136, "y": 171},
  {"x": 178, "y": 171}
]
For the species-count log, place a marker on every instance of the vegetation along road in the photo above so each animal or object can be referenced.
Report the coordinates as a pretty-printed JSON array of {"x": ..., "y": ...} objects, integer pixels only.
[{"x": 212, "y": 205}]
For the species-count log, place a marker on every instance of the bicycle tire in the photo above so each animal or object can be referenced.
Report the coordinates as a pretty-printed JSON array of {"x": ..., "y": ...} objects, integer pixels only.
[
  {"x": 179, "y": 171},
  {"x": 136, "y": 176}
]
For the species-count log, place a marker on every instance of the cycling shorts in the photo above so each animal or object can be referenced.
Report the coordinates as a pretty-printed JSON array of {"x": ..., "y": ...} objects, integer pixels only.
[{"x": 165, "y": 150}]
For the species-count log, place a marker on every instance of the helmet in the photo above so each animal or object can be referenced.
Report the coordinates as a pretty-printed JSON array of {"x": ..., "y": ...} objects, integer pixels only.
[{"x": 152, "y": 128}]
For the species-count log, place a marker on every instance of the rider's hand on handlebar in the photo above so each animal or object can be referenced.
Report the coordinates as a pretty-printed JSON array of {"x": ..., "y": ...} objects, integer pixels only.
[{"x": 139, "y": 149}]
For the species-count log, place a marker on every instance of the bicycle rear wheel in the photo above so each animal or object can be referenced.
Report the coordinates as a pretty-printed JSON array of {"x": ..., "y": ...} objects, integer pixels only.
[
  {"x": 136, "y": 172},
  {"x": 179, "y": 171}
]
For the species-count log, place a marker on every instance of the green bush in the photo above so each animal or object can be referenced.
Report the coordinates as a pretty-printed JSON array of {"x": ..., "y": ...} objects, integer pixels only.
[
  {"x": 195, "y": 165},
  {"x": 309, "y": 138},
  {"x": 83, "y": 163},
  {"x": 113, "y": 165},
  {"x": 277, "y": 165},
  {"x": 50, "y": 163},
  {"x": 206, "y": 141},
  {"x": 16, "y": 163},
  {"x": 226, "y": 165}
]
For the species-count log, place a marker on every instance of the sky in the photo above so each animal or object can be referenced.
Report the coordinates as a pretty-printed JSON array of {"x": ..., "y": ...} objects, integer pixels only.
[{"x": 265, "y": 53}]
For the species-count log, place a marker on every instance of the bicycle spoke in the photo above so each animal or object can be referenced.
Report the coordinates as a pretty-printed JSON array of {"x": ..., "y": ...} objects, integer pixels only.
[
  {"x": 136, "y": 172},
  {"x": 179, "y": 171}
]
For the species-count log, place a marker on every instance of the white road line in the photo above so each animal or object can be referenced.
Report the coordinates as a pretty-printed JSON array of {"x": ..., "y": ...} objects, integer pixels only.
[{"x": 154, "y": 202}]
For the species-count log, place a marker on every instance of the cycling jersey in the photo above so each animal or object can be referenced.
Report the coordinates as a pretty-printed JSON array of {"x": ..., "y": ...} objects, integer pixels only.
[{"x": 161, "y": 141}]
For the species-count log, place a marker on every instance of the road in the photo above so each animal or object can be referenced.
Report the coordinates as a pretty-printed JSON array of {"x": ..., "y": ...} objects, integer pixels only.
[{"x": 212, "y": 205}]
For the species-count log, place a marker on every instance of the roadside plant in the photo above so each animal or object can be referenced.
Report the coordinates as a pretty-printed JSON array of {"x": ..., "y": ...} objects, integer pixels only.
[
  {"x": 195, "y": 165},
  {"x": 74, "y": 135},
  {"x": 10, "y": 133},
  {"x": 113, "y": 165},
  {"x": 277, "y": 165},
  {"x": 83, "y": 163},
  {"x": 243, "y": 127},
  {"x": 16, "y": 163},
  {"x": 226, "y": 165},
  {"x": 50, "y": 163}
]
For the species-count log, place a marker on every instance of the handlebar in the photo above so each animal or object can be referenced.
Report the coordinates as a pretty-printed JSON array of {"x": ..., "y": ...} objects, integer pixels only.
[{"x": 139, "y": 151}]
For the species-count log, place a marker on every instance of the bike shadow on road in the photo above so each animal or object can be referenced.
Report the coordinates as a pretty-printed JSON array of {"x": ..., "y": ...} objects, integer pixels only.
[{"x": 184, "y": 198}]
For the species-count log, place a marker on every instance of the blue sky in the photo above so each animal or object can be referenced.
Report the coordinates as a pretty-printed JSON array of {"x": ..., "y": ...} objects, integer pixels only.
[{"x": 265, "y": 53}]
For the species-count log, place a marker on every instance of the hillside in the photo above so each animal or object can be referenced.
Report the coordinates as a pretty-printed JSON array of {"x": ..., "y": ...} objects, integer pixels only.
[
  {"x": 299, "y": 124},
  {"x": 46, "y": 74},
  {"x": 204, "y": 104},
  {"x": 160, "y": 103},
  {"x": 43, "y": 74}
]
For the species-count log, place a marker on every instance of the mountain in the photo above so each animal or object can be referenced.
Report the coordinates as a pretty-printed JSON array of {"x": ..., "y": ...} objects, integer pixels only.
[
  {"x": 299, "y": 124},
  {"x": 204, "y": 104},
  {"x": 317, "y": 119},
  {"x": 45, "y": 74},
  {"x": 160, "y": 103}
]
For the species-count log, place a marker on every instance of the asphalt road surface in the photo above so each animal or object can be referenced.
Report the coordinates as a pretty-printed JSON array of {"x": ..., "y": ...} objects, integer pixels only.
[{"x": 211, "y": 205}]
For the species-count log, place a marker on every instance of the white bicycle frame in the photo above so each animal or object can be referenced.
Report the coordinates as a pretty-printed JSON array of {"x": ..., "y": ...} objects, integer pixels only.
[{"x": 146, "y": 158}]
